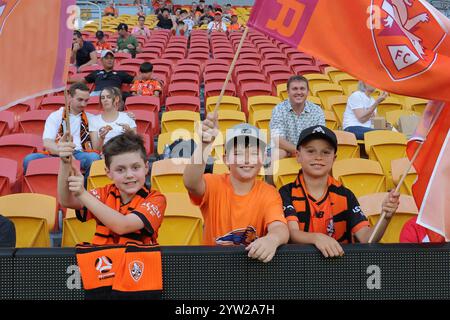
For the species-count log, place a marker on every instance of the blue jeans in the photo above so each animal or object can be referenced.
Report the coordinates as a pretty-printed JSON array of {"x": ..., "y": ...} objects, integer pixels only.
[
  {"x": 85, "y": 158},
  {"x": 358, "y": 131}
]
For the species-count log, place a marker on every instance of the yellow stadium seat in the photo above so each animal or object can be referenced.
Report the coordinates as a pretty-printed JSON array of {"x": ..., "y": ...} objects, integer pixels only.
[
  {"x": 347, "y": 82},
  {"x": 338, "y": 105},
  {"x": 371, "y": 206},
  {"x": 398, "y": 167},
  {"x": 257, "y": 103},
  {"x": 389, "y": 104},
  {"x": 97, "y": 175},
  {"x": 261, "y": 120},
  {"x": 229, "y": 118},
  {"x": 415, "y": 104},
  {"x": 183, "y": 222},
  {"x": 330, "y": 120},
  {"x": 285, "y": 171},
  {"x": 179, "y": 119},
  {"x": 317, "y": 78},
  {"x": 33, "y": 216},
  {"x": 170, "y": 137},
  {"x": 315, "y": 100},
  {"x": 361, "y": 176},
  {"x": 393, "y": 116},
  {"x": 75, "y": 232},
  {"x": 332, "y": 72},
  {"x": 227, "y": 103},
  {"x": 282, "y": 91},
  {"x": 167, "y": 175},
  {"x": 347, "y": 145},
  {"x": 325, "y": 91},
  {"x": 220, "y": 168},
  {"x": 384, "y": 146}
]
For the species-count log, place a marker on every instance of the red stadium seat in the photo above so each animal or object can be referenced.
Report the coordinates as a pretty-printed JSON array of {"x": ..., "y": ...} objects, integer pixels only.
[
  {"x": 22, "y": 107},
  {"x": 265, "y": 63},
  {"x": 246, "y": 69},
  {"x": 300, "y": 55},
  {"x": 185, "y": 77},
  {"x": 143, "y": 103},
  {"x": 214, "y": 89},
  {"x": 301, "y": 70},
  {"x": 93, "y": 105},
  {"x": 276, "y": 69},
  {"x": 130, "y": 69},
  {"x": 201, "y": 56},
  {"x": 247, "y": 62},
  {"x": 217, "y": 62},
  {"x": 277, "y": 79},
  {"x": 17, "y": 146},
  {"x": 299, "y": 62},
  {"x": 224, "y": 55},
  {"x": 173, "y": 56},
  {"x": 132, "y": 62},
  {"x": 189, "y": 62},
  {"x": 202, "y": 50},
  {"x": 253, "y": 89},
  {"x": 188, "y": 103},
  {"x": 187, "y": 68},
  {"x": 33, "y": 121},
  {"x": 90, "y": 68},
  {"x": 8, "y": 172},
  {"x": 250, "y": 56},
  {"x": 276, "y": 56},
  {"x": 248, "y": 78},
  {"x": 146, "y": 122},
  {"x": 6, "y": 122},
  {"x": 183, "y": 89},
  {"x": 148, "y": 56},
  {"x": 163, "y": 62},
  {"x": 214, "y": 77},
  {"x": 52, "y": 103},
  {"x": 153, "y": 49},
  {"x": 119, "y": 56}
]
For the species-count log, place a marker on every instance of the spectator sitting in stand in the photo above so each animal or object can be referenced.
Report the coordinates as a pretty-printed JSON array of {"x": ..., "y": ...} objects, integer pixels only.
[
  {"x": 186, "y": 18},
  {"x": 111, "y": 10},
  {"x": 147, "y": 85},
  {"x": 101, "y": 43},
  {"x": 126, "y": 42},
  {"x": 180, "y": 29},
  {"x": 217, "y": 25},
  {"x": 207, "y": 16},
  {"x": 234, "y": 25},
  {"x": 165, "y": 21},
  {"x": 83, "y": 52},
  {"x": 141, "y": 29}
]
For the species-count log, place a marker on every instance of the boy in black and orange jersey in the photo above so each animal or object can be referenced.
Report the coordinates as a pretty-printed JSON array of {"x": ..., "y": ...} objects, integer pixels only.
[
  {"x": 126, "y": 211},
  {"x": 319, "y": 209}
]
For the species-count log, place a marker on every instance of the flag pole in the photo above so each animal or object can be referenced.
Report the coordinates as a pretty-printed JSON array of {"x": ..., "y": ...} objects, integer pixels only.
[
  {"x": 68, "y": 130},
  {"x": 236, "y": 55},
  {"x": 405, "y": 173}
]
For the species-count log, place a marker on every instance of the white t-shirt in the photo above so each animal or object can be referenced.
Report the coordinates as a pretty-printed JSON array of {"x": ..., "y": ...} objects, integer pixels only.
[
  {"x": 214, "y": 26},
  {"x": 53, "y": 123},
  {"x": 357, "y": 100},
  {"x": 123, "y": 118},
  {"x": 189, "y": 23}
]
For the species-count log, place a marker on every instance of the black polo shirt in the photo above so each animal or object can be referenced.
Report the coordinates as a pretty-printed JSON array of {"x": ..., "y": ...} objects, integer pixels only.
[
  {"x": 83, "y": 54},
  {"x": 164, "y": 23},
  {"x": 103, "y": 79}
]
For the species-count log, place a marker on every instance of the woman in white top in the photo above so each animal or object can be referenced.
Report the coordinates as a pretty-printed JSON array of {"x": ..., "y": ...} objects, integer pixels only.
[
  {"x": 361, "y": 108},
  {"x": 111, "y": 122}
]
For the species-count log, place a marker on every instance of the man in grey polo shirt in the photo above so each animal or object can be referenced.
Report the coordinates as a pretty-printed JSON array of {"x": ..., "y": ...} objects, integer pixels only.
[{"x": 291, "y": 116}]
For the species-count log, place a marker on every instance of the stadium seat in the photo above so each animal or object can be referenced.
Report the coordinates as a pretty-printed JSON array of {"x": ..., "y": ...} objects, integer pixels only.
[
  {"x": 303, "y": 69},
  {"x": 130, "y": 69},
  {"x": 338, "y": 104},
  {"x": 227, "y": 103},
  {"x": 33, "y": 216},
  {"x": 275, "y": 69},
  {"x": 393, "y": 116},
  {"x": 144, "y": 103},
  {"x": 325, "y": 91},
  {"x": 332, "y": 72},
  {"x": 167, "y": 175},
  {"x": 398, "y": 167},
  {"x": 20, "y": 108},
  {"x": 182, "y": 223},
  {"x": 253, "y": 89},
  {"x": 282, "y": 91},
  {"x": 317, "y": 78},
  {"x": 168, "y": 138},
  {"x": 214, "y": 77},
  {"x": 389, "y": 104},
  {"x": 371, "y": 207},
  {"x": 214, "y": 89},
  {"x": 257, "y": 103},
  {"x": 347, "y": 145},
  {"x": 148, "y": 56},
  {"x": 188, "y": 103},
  {"x": 229, "y": 118},
  {"x": 75, "y": 232},
  {"x": 415, "y": 104},
  {"x": 8, "y": 172},
  {"x": 147, "y": 122},
  {"x": 185, "y": 77},
  {"x": 316, "y": 101},
  {"x": 347, "y": 82},
  {"x": 174, "y": 56},
  {"x": 52, "y": 103},
  {"x": 285, "y": 171},
  {"x": 17, "y": 146},
  {"x": 330, "y": 120},
  {"x": 249, "y": 78},
  {"x": 33, "y": 121},
  {"x": 183, "y": 89},
  {"x": 361, "y": 176},
  {"x": 246, "y": 62},
  {"x": 90, "y": 68},
  {"x": 97, "y": 175},
  {"x": 384, "y": 146},
  {"x": 6, "y": 122},
  {"x": 132, "y": 62},
  {"x": 245, "y": 69},
  {"x": 179, "y": 119}
]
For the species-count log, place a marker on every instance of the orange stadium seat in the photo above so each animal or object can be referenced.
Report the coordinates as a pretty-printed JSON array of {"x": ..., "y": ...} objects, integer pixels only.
[
  {"x": 214, "y": 89},
  {"x": 183, "y": 89},
  {"x": 8, "y": 171},
  {"x": 33, "y": 121},
  {"x": 52, "y": 103},
  {"x": 6, "y": 122},
  {"x": 143, "y": 103},
  {"x": 183, "y": 103}
]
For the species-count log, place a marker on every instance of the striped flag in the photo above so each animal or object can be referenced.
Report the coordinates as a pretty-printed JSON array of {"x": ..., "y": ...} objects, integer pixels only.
[
  {"x": 396, "y": 45},
  {"x": 35, "y": 42}
]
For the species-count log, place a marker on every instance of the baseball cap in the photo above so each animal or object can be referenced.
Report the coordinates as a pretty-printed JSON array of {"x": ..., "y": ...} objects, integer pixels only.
[
  {"x": 218, "y": 13},
  {"x": 317, "y": 132},
  {"x": 245, "y": 130},
  {"x": 122, "y": 26},
  {"x": 105, "y": 52},
  {"x": 99, "y": 34}
]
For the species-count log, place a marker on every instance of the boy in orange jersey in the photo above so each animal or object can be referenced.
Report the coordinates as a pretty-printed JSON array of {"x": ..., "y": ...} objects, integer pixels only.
[
  {"x": 237, "y": 208},
  {"x": 319, "y": 209},
  {"x": 147, "y": 86},
  {"x": 126, "y": 211}
]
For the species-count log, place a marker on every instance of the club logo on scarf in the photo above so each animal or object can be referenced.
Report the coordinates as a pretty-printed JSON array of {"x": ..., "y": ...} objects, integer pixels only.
[
  {"x": 136, "y": 270},
  {"x": 409, "y": 36}
]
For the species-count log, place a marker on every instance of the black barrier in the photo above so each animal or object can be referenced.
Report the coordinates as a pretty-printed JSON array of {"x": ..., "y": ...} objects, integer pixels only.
[{"x": 367, "y": 272}]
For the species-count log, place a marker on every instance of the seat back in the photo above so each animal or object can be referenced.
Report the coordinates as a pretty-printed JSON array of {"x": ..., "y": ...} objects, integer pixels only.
[
  {"x": 347, "y": 145},
  {"x": 75, "y": 232},
  {"x": 97, "y": 175},
  {"x": 285, "y": 171},
  {"x": 167, "y": 175},
  {"x": 179, "y": 119}
]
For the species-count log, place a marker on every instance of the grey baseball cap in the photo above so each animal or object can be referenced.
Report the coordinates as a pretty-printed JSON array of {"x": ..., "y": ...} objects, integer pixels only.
[{"x": 245, "y": 130}]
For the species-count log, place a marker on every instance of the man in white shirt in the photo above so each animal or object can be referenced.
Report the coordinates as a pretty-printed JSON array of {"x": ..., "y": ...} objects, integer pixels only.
[
  {"x": 217, "y": 25},
  {"x": 361, "y": 108},
  {"x": 55, "y": 128}
]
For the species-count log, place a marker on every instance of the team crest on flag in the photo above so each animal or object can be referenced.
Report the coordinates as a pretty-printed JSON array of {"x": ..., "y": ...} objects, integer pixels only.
[{"x": 407, "y": 39}]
